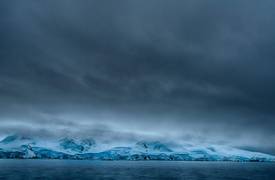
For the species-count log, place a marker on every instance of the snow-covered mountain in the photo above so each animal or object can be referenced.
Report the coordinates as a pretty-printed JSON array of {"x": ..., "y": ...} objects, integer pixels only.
[
  {"x": 16, "y": 146},
  {"x": 154, "y": 146},
  {"x": 79, "y": 145}
]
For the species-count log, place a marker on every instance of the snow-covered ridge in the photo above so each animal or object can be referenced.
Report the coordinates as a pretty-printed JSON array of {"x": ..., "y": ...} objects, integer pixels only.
[{"x": 16, "y": 146}]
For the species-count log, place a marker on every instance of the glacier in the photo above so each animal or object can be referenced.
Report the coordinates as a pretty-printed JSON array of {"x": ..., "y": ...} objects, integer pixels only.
[{"x": 21, "y": 147}]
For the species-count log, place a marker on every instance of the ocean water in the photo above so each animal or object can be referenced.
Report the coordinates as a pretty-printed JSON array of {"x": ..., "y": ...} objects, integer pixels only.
[{"x": 123, "y": 170}]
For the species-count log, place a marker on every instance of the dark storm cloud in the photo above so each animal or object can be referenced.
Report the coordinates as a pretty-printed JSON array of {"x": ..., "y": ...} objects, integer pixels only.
[{"x": 145, "y": 65}]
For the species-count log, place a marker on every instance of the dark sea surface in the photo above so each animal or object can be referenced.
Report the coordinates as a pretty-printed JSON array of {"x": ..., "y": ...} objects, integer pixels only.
[{"x": 82, "y": 169}]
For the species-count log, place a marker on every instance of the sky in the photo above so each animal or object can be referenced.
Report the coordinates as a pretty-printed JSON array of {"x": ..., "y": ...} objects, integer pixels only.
[{"x": 177, "y": 71}]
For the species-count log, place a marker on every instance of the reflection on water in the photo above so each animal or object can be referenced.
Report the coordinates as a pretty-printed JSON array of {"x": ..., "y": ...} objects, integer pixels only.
[{"x": 73, "y": 169}]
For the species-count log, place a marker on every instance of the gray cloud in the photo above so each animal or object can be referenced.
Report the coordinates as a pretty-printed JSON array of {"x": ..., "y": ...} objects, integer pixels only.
[{"x": 182, "y": 69}]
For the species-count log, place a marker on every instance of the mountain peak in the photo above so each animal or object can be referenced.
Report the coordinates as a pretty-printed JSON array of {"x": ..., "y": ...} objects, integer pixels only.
[
  {"x": 153, "y": 146},
  {"x": 76, "y": 145},
  {"x": 13, "y": 138}
]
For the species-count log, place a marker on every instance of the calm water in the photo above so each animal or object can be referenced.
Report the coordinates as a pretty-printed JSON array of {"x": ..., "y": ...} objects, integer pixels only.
[{"x": 73, "y": 169}]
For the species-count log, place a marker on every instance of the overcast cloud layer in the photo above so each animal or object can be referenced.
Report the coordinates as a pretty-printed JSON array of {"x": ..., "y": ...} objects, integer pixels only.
[{"x": 190, "y": 71}]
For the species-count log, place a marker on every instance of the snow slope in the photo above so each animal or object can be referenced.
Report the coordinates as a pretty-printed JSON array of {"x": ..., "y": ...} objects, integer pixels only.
[{"x": 16, "y": 146}]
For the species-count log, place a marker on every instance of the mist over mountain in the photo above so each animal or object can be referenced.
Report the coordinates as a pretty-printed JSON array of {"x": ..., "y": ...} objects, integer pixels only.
[{"x": 21, "y": 147}]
